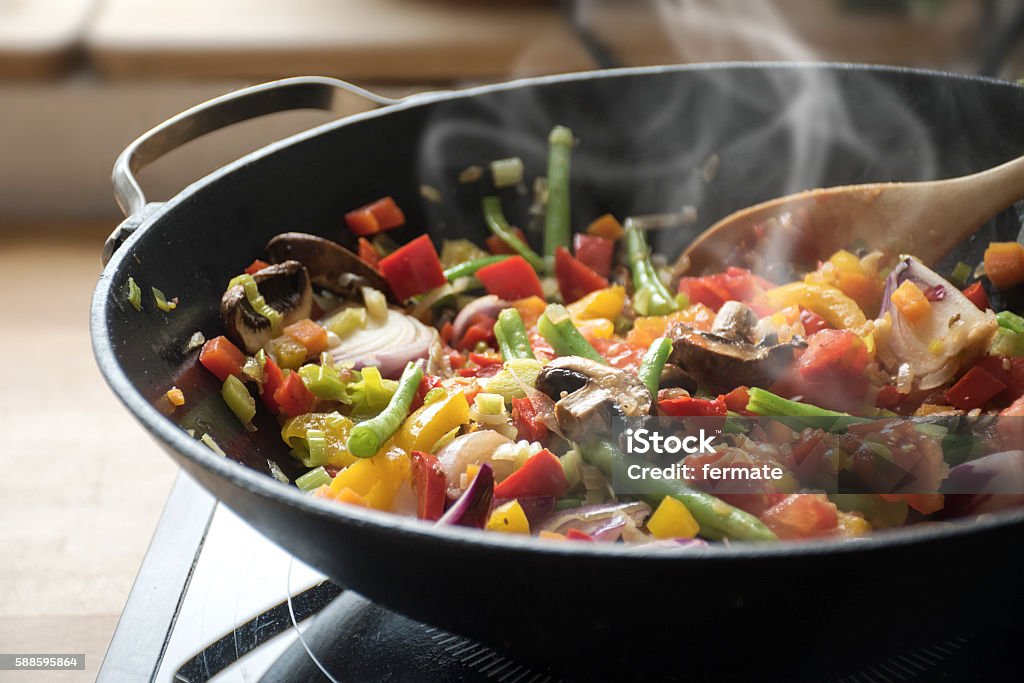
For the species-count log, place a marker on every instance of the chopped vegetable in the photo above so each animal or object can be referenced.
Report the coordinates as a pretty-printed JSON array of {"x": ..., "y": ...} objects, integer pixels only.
[
  {"x": 838, "y": 310},
  {"x": 510, "y": 333},
  {"x": 256, "y": 266},
  {"x": 558, "y": 330},
  {"x": 911, "y": 302},
  {"x": 605, "y": 304},
  {"x": 473, "y": 507},
  {"x": 237, "y": 396},
  {"x": 651, "y": 297},
  {"x": 366, "y": 438},
  {"x": 176, "y": 396},
  {"x": 256, "y": 300},
  {"x": 346, "y": 321},
  {"x": 312, "y": 480},
  {"x": 575, "y": 279},
  {"x": 292, "y": 397},
  {"x": 672, "y": 519},
  {"x": 309, "y": 334},
  {"x": 428, "y": 481},
  {"x": 382, "y": 214},
  {"x": 499, "y": 225},
  {"x": 368, "y": 252},
  {"x": 976, "y": 388},
  {"x": 654, "y": 362},
  {"x": 802, "y": 415},
  {"x": 222, "y": 358},
  {"x": 467, "y": 268},
  {"x": 426, "y": 426},
  {"x": 509, "y": 518},
  {"x": 1004, "y": 264},
  {"x": 606, "y": 226},
  {"x": 212, "y": 445},
  {"x": 161, "y": 301},
  {"x": 510, "y": 278},
  {"x": 977, "y": 296},
  {"x": 688, "y": 406},
  {"x": 413, "y": 269},
  {"x": 507, "y": 172},
  {"x": 594, "y": 252},
  {"x": 540, "y": 475},
  {"x": 134, "y": 294},
  {"x": 960, "y": 274},
  {"x": 557, "y": 226}
]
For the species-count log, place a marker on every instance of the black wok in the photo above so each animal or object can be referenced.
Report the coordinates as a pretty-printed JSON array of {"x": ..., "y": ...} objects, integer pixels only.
[{"x": 646, "y": 135}]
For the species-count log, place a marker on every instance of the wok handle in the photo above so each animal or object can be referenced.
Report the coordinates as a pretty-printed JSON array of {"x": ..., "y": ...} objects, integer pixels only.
[{"x": 305, "y": 92}]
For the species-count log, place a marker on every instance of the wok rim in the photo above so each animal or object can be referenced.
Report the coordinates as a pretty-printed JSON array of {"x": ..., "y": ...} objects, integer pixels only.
[{"x": 171, "y": 436}]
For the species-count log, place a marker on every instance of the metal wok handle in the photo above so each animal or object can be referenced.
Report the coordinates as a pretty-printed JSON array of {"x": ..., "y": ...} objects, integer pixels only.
[{"x": 306, "y": 92}]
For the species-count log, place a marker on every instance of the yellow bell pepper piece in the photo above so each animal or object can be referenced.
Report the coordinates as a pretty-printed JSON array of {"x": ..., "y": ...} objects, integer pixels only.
[
  {"x": 530, "y": 308},
  {"x": 509, "y": 518},
  {"x": 376, "y": 479},
  {"x": 838, "y": 310},
  {"x": 596, "y": 328},
  {"x": 335, "y": 427},
  {"x": 426, "y": 426},
  {"x": 551, "y": 536},
  {"x": 846, "y": 262},
  {"x": 672, "y": 520},
  {"x": 603, "y": 303}
]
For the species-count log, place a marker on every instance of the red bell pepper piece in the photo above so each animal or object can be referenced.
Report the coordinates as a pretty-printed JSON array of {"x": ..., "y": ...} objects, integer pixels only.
[
  {"x": 485, "y": 359},
  {"x": 594, "y": 252},
  {"x": 496, "y": 245},
  {"x": 429, "y": 483},
  {"x": 481, "y": 329},
  {"x": 833, "y": 355},
  {"x": 413, "y": 268},
  {"x": 575, "y": 278},
  {"x": 368, "y": 252},
  {"x": 687, "y": 406},
  {"x": 577, "y": 535},
  {"x": 273, "y": 378},
  {"x": 737, "y": 400},
  {"x": 976, "y": 293},
  {"x": 293, "y": 397},
  {"x": 735, "y": 284},
  {"x": 222, "y": 358},
  {"x": 513, "y": 278},
  {"x": 382, "y": 214},
  {"x": 976, "y": 388},
  {"x": 524, "y": 414},
  {"x": 888, "y": 397},
  {"x": 540, "y": 475},
  {"x": 1009, "y": 371},
  {"x": 256, "y": 266},
  {"x": 812, "y": 322}
]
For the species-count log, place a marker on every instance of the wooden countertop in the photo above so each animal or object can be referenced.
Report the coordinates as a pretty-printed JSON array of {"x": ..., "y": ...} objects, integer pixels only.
[{"x": 83, "y": 484}]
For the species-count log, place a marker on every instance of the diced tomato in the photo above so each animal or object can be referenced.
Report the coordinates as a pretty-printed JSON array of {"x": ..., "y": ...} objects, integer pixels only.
[
  {"x": 413, "y": 268},
  {"x": 428, "y": 481},
  {"x": 575, "y": 278},
  {"x": 833, "y": 355},
  {"x": 737, "y": 400},
  {"x": 368, "y": 252},
  {"x": 382, "y": 214},
  {"x": 273, "y": 378},
  {"x": 513, "y": 278},
  {"x": 687, "y": 406},
  {"x": 812, "y": 322},
  {"x": 309, "y": 334},
  {"x": 496, "y": 245},
  {"x": 540, "y": 475},
  {"x": 976, "y": 388},
  {"x": 524, "y": 414},
  {"x": 976, "y": 294},
  {"x": 802, "y": 516},
  {"x": 577, "y": 535},
  {"x": 256, "y": 266},
  {"x": 594, "y": 252},
  {"x": 293, "y": 397},
  {"x": 222, "y": 358}
]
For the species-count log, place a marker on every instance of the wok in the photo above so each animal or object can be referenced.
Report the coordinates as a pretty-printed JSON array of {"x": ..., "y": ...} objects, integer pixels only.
[{"x": 646, "y": 135}]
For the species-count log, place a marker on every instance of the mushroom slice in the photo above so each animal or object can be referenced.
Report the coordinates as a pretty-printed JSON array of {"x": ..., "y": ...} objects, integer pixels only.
[
  {"x": 330, "y": 265},
  {"x": 588, "y": 395},
  {"x": 284, "y": 286}
]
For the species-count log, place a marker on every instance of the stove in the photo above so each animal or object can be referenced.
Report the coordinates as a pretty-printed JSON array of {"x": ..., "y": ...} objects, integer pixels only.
[{"x": 215, "y": 600}]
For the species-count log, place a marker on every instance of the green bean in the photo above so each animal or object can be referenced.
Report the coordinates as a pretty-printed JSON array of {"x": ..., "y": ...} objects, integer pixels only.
[
  {"x": 468, "y": 268},
  {"x": 557, "y": 226},
  {"x": 367, "y": 437},
  {"x": 511, "y": 334},
  {"x": 498, "y": 224},
  {"x": 717, "y": 518},
  {"x": 654, "y": 362},
  {"x": 556, "y": 327},
  {"x": 650, "y": 296},
  {"x": 798, "y": 415}
]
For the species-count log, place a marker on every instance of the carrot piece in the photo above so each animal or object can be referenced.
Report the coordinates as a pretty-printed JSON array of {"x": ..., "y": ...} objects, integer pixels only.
[
  {"x": 1004, "y": 264},
  {"x": 362, "y": 222},
  {"x": 222, "y": 358},
  {"x": 387, "y": 213},
  {"x": 176, "y": 396},
  {"x": 607, "y": 226},
  {"x": 309, "y": 334},
  {"x": 368, "y": 252},
  {"x": 911, "y": 302},
  {"x": 347, "y": 495}
]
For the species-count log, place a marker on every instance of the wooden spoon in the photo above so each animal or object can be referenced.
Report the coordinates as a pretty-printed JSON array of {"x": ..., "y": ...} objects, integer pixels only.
[{"x": 926, "y": 219}]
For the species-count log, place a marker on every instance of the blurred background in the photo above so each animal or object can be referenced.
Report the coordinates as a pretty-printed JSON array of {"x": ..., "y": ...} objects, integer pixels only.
[{"x": 79, "y": 79}]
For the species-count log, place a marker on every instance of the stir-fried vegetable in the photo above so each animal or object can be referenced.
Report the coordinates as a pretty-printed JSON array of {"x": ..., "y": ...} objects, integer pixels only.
[
  {"x": 650, "y": 296},
  {"x": 498, "y": 224},
  {"x": 367, "y": 437},
  {"x": 557, "y": 226},
  {"x": 653, "y": 363},
  {"x": 557, "y": 328}
]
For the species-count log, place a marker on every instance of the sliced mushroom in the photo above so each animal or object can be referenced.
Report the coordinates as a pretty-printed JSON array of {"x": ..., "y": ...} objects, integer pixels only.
[
  {"x": 588, "y": 395},
  {"x": 330, "y": 265},
  {"x": 284, "y": 286},
  {"x": 728, "y": 357}
]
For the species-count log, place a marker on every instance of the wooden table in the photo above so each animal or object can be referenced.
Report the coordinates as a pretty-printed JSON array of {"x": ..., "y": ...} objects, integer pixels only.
[{"x": 82, "y": 484}]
